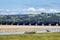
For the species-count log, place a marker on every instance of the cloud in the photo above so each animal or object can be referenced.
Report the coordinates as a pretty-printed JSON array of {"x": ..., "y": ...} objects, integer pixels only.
[
  {"x": 53, "y": 10},
  {"x": 36, "y": 10},
  {"x": 41, "y": 10},
  {"x": 30, "y": 9},
  {"x": 27, "y": 11},
  {"x": 8, "y": 12}
]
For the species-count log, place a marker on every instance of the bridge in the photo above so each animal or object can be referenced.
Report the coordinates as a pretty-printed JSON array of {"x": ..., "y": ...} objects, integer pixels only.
[{"x": 20, "y": 28}]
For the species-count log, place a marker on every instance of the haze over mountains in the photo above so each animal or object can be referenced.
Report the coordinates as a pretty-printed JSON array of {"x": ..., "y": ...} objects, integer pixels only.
[{"x": 27, "y": 11}]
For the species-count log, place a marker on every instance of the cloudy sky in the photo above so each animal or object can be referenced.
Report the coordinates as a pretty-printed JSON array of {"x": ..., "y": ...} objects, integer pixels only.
[{"x": 52, "y": 5}]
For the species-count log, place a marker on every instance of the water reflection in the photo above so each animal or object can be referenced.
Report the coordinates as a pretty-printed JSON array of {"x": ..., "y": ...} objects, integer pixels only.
[
  {"x": 40, "y": 31},
  {"x": 6, "y": 33}
]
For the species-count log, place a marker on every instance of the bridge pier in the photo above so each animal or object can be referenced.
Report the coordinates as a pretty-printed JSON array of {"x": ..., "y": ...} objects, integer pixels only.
[
  {"x": 36, "y": 24},
  {"x": 49, "y": 24},
  {"x": 42, "y": 24},
  {"x": 30, "y": 24},
  {"x": 56, "y": 24}
]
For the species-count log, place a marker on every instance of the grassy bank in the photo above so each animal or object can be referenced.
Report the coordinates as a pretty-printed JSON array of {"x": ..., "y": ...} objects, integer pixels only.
[{"x": 41, "y": 36}]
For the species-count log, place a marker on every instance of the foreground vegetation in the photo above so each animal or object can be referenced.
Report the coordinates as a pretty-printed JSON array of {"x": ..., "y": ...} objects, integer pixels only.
[{"x": 41, "y": 36}]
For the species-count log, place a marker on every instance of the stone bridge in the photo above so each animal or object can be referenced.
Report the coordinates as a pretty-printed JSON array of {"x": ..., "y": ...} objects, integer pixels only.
[{"x": 16, "y": 28}]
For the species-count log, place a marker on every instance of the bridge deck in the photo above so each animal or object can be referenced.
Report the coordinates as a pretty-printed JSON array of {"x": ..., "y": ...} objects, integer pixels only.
[{"x": 17, "y": 28}]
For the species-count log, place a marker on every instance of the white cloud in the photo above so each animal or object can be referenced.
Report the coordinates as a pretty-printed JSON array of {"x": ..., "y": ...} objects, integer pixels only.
[
  {"x": 36, "y": 10},
  {"x": 27, "y": 11},
  {"x": 30, "y": 9},
  {"x": 53, "y": 10},
  {"x": 8, "y": 12},
  {"x": 42, "y": 10}
]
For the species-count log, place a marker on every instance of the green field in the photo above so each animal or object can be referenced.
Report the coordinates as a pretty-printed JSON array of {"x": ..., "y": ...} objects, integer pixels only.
[{"x": 41, "y": 36}]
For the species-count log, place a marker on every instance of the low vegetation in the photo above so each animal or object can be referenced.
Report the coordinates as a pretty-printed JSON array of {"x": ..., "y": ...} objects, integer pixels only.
[
  {"x": 41, "y": 36},
  {"x": 30, "y": 33}
]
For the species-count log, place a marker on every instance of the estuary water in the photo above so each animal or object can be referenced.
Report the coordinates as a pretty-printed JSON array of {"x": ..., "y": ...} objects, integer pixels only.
[{"x": 40, "y": 31}]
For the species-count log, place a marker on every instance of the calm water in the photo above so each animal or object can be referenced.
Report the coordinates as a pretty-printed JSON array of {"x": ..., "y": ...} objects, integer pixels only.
[
  {"x": 6, "y": 33},
  {"x": 40, "y": 31}
]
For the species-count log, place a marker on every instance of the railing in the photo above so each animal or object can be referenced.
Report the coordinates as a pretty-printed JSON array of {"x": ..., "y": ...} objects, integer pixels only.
[{"x": 30, "y": 24}]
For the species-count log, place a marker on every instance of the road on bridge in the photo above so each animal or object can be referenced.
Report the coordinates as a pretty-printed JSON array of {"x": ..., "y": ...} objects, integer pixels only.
[{"x": 17, "y": 28}]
